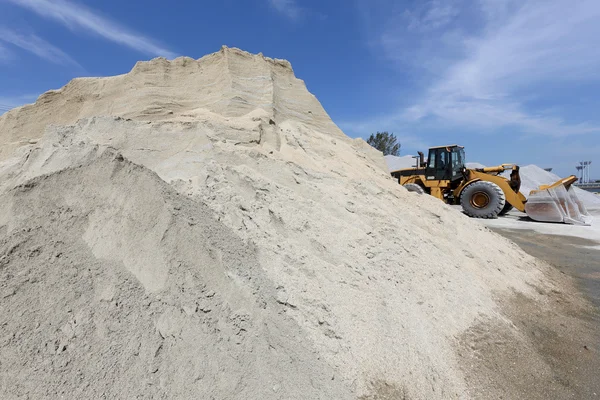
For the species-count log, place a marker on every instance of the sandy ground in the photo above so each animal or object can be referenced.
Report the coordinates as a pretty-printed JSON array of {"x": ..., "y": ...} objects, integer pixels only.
[
  {"x": 516, "y": 220},
  {"x": 566, "y": 336},
  {"x": 577, "y": 257},
  {"x": 575, "y": 252}
]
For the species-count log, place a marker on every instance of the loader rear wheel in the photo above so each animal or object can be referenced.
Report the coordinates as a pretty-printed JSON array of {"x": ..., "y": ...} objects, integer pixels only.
[
  {"x": 414, "y": 187},
  {"x": 482, "y": 199}
]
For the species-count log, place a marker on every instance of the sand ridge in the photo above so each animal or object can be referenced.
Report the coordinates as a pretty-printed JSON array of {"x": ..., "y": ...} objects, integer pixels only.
[{"x": 230, "y": 83}]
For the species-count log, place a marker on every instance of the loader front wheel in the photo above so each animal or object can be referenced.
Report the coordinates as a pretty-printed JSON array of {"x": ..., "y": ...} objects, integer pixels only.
[
  {"x": 414, "y": 187},
  {"x": 482, "y": 199}
]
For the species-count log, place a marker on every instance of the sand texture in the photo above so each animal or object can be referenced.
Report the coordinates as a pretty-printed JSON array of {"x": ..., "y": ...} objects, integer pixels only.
[{"x": 202, "y": 229}]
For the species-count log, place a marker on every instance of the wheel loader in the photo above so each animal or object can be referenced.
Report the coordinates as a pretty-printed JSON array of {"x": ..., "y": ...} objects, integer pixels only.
[{"x": 485, "y": 193}]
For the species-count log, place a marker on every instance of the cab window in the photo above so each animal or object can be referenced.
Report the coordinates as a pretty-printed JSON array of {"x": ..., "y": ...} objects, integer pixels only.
[
  {"x": 458, "y": 158},
  {"x": 432, "y": 157},
  {"x": 444, "y": 159},
  {"x": 438, "y": 159}
]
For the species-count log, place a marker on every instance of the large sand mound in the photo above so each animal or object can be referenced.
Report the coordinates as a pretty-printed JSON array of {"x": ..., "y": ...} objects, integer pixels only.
[{"x": 233, "y": 243}]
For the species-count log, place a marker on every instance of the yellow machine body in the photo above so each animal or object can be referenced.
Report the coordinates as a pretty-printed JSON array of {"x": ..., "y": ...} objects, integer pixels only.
[{"x": 450, "y": 181}]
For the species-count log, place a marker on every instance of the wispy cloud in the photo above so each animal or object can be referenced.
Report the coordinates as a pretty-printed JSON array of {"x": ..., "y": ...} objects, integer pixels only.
[
  {"x": 490, "y": 64},
  {"x": 429, "y": 16},
  {"x": 289, "y": 8},
  {"x": 37, "y": 46},
  {"x": 5, "y": 55},
  {"x": 77, "y": 17}
]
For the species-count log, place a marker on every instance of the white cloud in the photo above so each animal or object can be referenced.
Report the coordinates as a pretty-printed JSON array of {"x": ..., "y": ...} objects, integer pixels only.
[
  {"x": 484, "y": 61},
  {"x": 78, "y": 17},
  {"x": 289, "y": 8},
  {"x": 37, "y": 46}
]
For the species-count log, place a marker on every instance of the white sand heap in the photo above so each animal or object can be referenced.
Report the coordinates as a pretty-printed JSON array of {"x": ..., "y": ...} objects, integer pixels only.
[
  {"x": 395, "y": 163},
  {"x": 474, "y": 165},
  {"x": 215, "y": 235}
]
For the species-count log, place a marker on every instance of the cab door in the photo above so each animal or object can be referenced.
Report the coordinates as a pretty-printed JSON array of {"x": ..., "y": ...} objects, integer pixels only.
[{"x": 439, "y": 165}]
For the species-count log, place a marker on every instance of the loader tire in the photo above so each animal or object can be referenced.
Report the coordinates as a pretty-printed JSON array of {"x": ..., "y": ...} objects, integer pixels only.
[
  {"x": 482, "y": 199},
  {"x": 506, "y": 209},
  {"x": 414, "y": 187}
]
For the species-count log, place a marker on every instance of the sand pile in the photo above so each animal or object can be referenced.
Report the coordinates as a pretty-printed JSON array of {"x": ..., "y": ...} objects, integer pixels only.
[{"x": 216, "y": 236}]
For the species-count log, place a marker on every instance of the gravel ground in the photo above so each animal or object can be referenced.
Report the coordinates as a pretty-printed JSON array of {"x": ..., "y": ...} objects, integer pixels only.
[{"x": 576, "y": 255}]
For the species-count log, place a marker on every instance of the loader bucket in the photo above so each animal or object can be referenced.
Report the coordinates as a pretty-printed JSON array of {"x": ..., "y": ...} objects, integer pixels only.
[{"x": 557, "y": 203}]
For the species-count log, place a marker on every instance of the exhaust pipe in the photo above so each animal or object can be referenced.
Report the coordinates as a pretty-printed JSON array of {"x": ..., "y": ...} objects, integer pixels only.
[{"x": 421, "y": 160}]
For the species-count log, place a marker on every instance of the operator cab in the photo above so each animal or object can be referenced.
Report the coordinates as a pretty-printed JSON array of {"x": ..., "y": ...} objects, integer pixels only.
[{"x": 445, "y": 163}]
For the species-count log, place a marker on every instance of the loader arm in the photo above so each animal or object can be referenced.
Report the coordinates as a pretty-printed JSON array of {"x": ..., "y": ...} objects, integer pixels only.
[
  {"x": 566, "y": 182},
  {"x": 497, "y": 169}
]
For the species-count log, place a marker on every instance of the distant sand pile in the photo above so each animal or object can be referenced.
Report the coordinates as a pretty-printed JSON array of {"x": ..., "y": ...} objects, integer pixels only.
[
  {"x": 395, "y": 163},
  {"x": 473, "y": 165},
  {"x": 533, "y": 177},
  {"x": 215, "y": 235}
]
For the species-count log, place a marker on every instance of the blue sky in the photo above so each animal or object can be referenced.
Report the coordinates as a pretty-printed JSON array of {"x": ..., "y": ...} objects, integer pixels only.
[{"x": 513, "y": 81}]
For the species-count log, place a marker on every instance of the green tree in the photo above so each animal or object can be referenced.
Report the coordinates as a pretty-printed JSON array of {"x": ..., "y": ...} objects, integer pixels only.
[{"x": 385, "y": 142}]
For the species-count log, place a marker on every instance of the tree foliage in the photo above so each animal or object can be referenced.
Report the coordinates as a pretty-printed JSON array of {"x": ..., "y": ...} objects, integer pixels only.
[{"x": 385, "y": 142}]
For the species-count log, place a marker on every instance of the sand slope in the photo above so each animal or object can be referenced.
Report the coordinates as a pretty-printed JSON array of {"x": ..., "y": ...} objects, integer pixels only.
[
  {"x": 238, "y": 247},
  {"x": 125, "y": 288}
]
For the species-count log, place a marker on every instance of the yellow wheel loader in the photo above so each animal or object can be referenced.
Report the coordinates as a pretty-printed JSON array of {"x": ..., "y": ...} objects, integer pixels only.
[{"x": 485, "y": 193}]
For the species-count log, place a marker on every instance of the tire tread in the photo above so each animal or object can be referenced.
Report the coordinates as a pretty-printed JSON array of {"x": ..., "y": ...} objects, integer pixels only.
[{"x": 491, "y": 214}]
